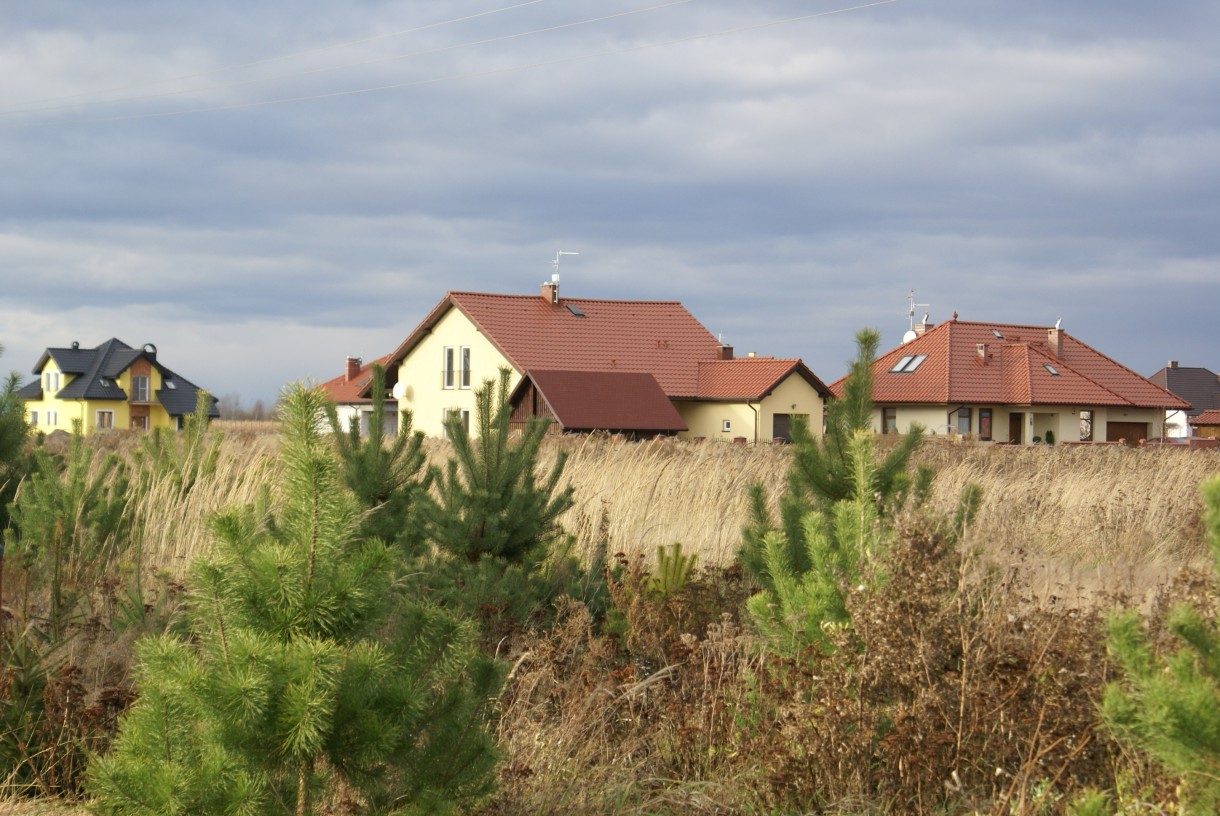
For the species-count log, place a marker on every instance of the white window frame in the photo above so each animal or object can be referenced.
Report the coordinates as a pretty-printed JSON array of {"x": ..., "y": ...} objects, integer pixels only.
[
  {"x": 52, "y": 382},
  {"x": 34, "y": 419},
  {"x": 464, "y": 359},
  {"x": 448, "y": 412},
  {"x": 108, "y": 423},
  {"x": 448, "y": 363},
  {"x": 136, "y": 381},
  {"x": 52, "y": 418},
  {"x": 726, "y": 426}
]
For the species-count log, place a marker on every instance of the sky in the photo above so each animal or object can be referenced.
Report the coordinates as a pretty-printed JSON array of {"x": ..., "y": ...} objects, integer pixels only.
[{"x": 263, "y": 189}]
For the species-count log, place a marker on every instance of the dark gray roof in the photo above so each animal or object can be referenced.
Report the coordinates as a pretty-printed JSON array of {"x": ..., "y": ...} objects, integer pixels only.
[
  {"x": 1198, "y": 386},
  {"x": 97, "y": 371}
]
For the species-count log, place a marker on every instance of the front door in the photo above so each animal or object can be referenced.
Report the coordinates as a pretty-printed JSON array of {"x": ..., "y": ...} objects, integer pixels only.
[
  {"x": 781, "y": 427},
  {"x": 1015, "y": 423}
]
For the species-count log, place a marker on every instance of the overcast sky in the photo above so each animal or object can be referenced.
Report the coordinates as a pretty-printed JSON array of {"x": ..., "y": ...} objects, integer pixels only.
[{"x": 262, "y": 189}]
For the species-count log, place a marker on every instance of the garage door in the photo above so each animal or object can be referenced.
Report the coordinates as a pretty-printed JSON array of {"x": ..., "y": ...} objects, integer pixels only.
[{"x": 1129, "y": 432}]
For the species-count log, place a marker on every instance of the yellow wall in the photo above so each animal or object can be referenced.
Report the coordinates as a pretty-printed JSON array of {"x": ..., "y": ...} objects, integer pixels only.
[
  {"x": 422, "y": 372},
  {"x": 67, "y": 410},
  {"x": 754, "y": 421}
]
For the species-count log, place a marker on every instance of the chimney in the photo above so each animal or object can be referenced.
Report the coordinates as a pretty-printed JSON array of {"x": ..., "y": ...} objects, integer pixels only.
[
  {"x": 982, "y": 350},
  {"x": 1173, "y": 363},
  {"x": 352, "y": 369},
  {"x": 922, "y": 328},
  {"x": 726, "y": 352},
  {"x": 751, "y": 354},
  {"x": 1054, "y": 339},
  {"x": 550, "y": 289}
]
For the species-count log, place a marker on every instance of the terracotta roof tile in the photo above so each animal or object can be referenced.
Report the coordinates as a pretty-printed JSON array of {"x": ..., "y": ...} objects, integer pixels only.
[
  {"x": 750, "y": 378},
  {"x": 345, "y": 391},
  {"x": 1006, "y": 364},
  {"x": 1208, "y": 417},
  {"x": 576, "y": 334},
  {"x": 604, "y": 400}
]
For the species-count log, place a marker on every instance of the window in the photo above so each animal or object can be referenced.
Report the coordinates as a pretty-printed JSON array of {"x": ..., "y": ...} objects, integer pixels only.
[
  {"x": 998, "y": 334},
  {"x": 726, "y": 426},
  {"x": 450, "y": 413},
  {"x": 52, "y": 418},
  {"x": 34, "y": 418},
  {"x": 908, "y": 363},
  {"x": 889, "y": 420},
  {"x": 1054, "y": 371},
  {"x": 963, "y": 420},
  {"x": 465, "y": 366},
  {"x": 52, "y": 382},
  {"x": 1086, "y": 426},
  {"x": 105, "y": 420},
  {"x": 139, "y": 389},
  {"x": 449, "y": 366},
  {"x": 985, "y": 424}
]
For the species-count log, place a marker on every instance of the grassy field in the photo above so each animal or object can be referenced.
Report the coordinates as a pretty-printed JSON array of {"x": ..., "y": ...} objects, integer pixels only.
[{"x": 605, "y": 724}]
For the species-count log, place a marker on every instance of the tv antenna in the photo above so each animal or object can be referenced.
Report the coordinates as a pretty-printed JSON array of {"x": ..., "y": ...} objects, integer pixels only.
[
  {"x": 555, "y": 264},
  {"x": 912, "y": 306}
]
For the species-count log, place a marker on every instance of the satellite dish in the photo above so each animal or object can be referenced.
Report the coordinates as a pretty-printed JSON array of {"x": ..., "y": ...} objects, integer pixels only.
[
  {"x": 399, "y": 390},
  {"x": 909, "y": 336}
]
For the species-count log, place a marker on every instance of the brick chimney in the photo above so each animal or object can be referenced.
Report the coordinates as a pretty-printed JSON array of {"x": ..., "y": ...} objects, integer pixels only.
[
  {"x": 726, "y": 352},
  {"x": 1054, "y": 339},
  {"x": 352, "y": 369},
  {"x": 1173, "y": 364},
  {"x": 922, "y": 328},
  {"x": 550, "y": 289}
]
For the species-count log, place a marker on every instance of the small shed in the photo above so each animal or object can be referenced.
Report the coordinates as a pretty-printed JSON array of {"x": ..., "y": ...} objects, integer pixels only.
[
  {"x": 1206, "y": 423},
  {"x": 618, "y": 402}
]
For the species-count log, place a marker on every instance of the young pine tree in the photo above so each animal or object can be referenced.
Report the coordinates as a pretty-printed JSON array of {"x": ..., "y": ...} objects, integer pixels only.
[
  {"x": 13, "y": 433},
  {"x": 1170, "y": 705},
  {"x": 386, "y": 479},
  {"x": 305, "y": 666},
  {"x": 488, "y": 501},
  {"x": 823, "y": 471}
]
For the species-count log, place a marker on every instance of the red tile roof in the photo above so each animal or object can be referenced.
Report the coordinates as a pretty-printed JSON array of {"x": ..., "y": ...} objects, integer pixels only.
[
  {"x": 1208, "y": 417},
  {"x": 660, "y": 338},
  {"x": 1015, "y": 366},
  {"x": 750, "y": 378},
  {"x": 604, "y": 400},
  {"x": 344, "y": 390}
]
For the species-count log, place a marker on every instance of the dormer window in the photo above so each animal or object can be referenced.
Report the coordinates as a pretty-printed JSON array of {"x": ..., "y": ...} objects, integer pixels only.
[{"x": 908, "y": 363}]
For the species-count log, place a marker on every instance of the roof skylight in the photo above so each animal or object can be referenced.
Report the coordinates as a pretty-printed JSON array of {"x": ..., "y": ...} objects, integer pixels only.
[
  {"x": 574, "y": 310},
  {"x": 1054, "y": 371},
  {"x": 908, "y": 363},
  {"x": 998, "y": 335}
]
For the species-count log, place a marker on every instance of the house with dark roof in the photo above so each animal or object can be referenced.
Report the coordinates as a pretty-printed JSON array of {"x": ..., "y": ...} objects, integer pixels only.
[
  {"x": 597, "y": 365},
  {"x": 110, "y": 386},
  {"x": 1018, "y": 384},
  {"x": 1198, "y": 386},
  {"x": 351, "y": 393}
]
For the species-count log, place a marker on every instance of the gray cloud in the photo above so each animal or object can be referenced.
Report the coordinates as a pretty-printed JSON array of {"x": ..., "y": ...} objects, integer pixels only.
[{"x": 789, "y": 184}]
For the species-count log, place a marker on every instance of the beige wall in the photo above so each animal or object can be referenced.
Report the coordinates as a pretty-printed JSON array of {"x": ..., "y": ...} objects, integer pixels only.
[
  {"x": 421, "y": 373},
  {"x": 754, "y": 421},
  {"x": 1064, "y": 421}
]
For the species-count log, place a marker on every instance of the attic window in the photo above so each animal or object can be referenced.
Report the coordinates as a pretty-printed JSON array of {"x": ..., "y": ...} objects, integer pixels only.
[
  {"x": 908, "y": 363},
  {"x": 1054, "y": 372},
  {"x": 997, "y": 334},
  {"x": 170, "y": 384},
  {"x": 574, "y": 310}
]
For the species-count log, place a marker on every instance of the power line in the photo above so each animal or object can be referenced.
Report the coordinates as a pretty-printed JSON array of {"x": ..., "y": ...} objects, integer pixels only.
[
  {"x": 361, "y": 63},
  {"x": 492, "y": 71}
]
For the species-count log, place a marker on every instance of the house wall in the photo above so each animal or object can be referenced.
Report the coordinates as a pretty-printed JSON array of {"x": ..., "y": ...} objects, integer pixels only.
[
  {"x": 63, "y": 420},
  {"x": 706, "y": 419},
  {"x": 1064, "y": 421},
  {"x": 422, "y": 372}
]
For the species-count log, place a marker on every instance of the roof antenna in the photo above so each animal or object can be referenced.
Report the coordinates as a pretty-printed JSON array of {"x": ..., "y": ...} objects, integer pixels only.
[
  {"x": 555, "y": 264},
  {"x": 911, "y": 306}
]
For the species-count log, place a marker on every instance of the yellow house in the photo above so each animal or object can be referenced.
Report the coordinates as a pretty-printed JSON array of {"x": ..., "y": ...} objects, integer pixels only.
[
  {"x": 579, "y": 350},
  {"x": 111, "y": 386}
]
